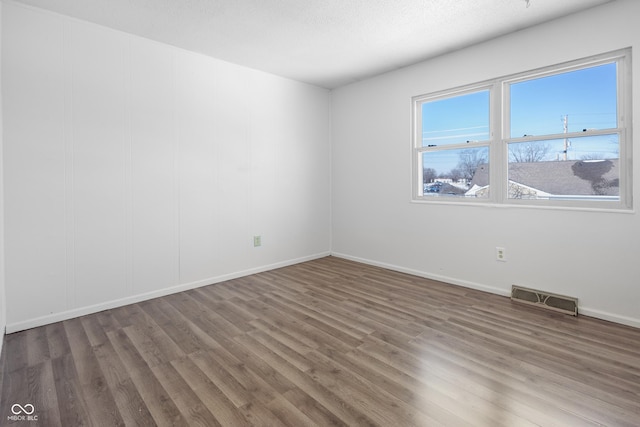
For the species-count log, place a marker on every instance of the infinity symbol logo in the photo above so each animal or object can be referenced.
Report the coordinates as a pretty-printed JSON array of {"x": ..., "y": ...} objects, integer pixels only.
[{"x": 17, "y": 409}]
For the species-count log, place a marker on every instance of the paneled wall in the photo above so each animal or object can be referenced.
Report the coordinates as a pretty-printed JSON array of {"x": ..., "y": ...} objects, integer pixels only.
[
  {"x": 134, "y": 169},
  {"x": 3, "y": 307}
]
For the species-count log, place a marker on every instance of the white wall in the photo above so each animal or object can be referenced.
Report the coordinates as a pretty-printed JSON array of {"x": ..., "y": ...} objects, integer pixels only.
[
  {"x": 3, "y": 309},
  {"x": 134, "y": 169},
  {"x": 591, "y": 255}
]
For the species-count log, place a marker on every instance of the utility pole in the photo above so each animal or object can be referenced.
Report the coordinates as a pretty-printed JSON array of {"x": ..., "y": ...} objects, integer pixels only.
[{"x": 565, "y": 122}]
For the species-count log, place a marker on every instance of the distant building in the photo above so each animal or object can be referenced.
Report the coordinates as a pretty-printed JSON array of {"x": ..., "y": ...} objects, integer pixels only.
[{"x": 554, "y": 178}]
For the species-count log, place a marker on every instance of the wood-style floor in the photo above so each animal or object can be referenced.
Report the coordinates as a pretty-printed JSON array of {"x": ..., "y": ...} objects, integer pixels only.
[{"x": 327, "y": 342}]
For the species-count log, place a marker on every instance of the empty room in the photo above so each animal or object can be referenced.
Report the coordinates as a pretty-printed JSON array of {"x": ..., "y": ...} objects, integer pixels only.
[{"x": 319, "y": 212}]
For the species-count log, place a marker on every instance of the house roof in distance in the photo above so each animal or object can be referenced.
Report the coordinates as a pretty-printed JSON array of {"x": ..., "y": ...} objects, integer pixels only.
[{"x": 570, "y": 177}]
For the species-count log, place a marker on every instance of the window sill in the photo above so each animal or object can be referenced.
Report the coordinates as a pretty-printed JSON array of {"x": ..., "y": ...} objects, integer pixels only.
[{"x": 512, "y": 205}]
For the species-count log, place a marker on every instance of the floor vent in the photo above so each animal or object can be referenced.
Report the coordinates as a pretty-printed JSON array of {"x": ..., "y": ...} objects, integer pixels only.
[{"x": 561, "y": 303}]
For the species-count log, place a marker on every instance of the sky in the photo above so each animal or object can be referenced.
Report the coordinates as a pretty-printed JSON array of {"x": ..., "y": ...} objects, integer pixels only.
[{"x": 587, "y": 98}]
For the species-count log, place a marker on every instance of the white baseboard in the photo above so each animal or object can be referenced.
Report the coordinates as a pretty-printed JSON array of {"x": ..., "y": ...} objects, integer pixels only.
[
  {"x": 3, "y": 332},
  {"x": 585, "y": 311},
  {"x": 603, "y": 315},
  {"x": 426, "y": 275},
  {"x": 82, "y": 311},
  {"x": 69, "y": 314}
]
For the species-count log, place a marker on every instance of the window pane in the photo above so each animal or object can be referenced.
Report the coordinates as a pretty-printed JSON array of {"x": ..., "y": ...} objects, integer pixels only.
[
  {"x": 588, "y": 168},
  {"x": 456, "y": 172},
  {"x": 456, "y": 120},
  {"x": 569, "y": 102}
]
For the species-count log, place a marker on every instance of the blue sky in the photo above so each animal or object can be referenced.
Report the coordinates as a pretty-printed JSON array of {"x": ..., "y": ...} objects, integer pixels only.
[
  {"x": 587, "y": 97},
  {"x": 456, "y": 120}
]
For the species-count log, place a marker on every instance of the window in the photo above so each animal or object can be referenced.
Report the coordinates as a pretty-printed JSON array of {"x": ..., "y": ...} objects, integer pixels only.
[{"x": 553, "y": 137}]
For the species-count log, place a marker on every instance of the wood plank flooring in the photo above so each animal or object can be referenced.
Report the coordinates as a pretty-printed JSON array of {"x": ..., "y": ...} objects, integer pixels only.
[{"x": 327, "y": 342}]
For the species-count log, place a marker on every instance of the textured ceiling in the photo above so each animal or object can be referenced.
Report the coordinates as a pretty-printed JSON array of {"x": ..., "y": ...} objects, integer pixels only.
[{"x": 327, "y": 43}]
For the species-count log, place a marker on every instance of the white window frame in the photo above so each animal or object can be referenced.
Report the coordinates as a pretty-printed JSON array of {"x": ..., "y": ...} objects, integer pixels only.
[{"x": 499, "y": 131}]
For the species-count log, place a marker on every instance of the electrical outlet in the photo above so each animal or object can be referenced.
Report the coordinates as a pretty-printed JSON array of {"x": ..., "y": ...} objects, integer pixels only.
[
  {"x": 501, "y": 254},
  {"x": 257, "y": 241}
]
